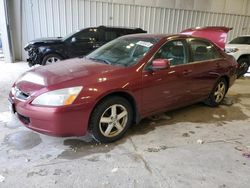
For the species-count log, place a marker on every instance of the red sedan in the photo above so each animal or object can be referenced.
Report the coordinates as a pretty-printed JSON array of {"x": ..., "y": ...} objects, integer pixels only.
[{"x": 122, "y": 82}]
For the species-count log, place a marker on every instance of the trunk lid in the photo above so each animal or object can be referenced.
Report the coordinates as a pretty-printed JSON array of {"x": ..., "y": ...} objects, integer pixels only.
[{"x": 218, "y": 35}]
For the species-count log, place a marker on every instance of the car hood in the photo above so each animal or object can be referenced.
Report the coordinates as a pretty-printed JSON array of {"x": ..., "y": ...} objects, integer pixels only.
[
  {"x": 218, "y": 35},
  {"x": 62, "y": 72},
  {"x": 41, "y": 41}
]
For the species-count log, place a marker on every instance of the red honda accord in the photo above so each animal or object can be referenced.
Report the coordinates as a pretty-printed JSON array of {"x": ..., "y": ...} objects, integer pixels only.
[{"x": 122, "y": 82}]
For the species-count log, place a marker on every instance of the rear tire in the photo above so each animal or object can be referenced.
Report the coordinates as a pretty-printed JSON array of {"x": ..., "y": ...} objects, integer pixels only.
[
  {"x": 218, "y": 93},
  {"x": 51, "y": 58},
  {"x": 243, "y": 64},
  {"x": 111, "y": 119}
]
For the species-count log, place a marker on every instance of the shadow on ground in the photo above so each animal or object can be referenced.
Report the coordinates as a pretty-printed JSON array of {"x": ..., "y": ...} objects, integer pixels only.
[{"x": 197, "y": 113}]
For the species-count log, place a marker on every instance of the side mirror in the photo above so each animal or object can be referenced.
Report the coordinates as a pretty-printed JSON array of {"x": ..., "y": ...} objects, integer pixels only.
[{"x": 160, "y": 64}]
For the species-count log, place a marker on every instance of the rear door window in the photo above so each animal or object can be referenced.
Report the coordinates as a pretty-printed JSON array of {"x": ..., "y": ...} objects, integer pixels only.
[
  {"x": 87, "y": 35},
  {"x": 110, "y": 35},
  {"x": 202, "y": 50}
]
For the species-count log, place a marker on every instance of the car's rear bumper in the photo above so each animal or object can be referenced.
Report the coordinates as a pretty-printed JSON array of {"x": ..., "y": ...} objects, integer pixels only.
[{"x": 57, "y": 121}]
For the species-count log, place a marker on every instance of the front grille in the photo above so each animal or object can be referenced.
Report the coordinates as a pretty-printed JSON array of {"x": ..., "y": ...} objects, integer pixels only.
[
  {"x": 20, "y": 94},
  {"x": 24, "y": 119}
]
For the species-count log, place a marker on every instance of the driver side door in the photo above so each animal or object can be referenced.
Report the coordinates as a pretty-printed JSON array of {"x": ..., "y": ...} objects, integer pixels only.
[
  {"x": 83, "y": 42},
  {"x": 167, "y": 88}
]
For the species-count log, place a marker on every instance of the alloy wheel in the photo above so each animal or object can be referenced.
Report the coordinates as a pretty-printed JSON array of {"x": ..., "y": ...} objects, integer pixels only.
[
  {"x": 113, "y": 120},
  {"x": 52, "y": 60},
  {"x": 244, "y": 67},
  {"x": 220, "y": 92}
]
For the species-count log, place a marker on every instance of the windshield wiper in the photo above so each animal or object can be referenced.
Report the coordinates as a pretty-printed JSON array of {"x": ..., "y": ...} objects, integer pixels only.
[{"x": 102, "y": 60}]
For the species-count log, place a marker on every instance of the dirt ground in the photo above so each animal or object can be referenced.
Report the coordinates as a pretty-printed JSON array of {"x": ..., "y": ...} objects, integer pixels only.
[{"x": 196, "y": 146}]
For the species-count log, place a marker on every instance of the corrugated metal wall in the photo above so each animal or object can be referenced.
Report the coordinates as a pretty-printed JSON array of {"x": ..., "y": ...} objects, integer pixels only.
[{"x": 48, "y": 18}]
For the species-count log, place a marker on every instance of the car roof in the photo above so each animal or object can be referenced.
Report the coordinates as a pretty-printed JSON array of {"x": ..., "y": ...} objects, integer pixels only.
[
  {"x": 111, "y": 27},
  {"x": 160, "y": 36},
  {"x": 165, "y": 36},
  {"x": 242, "y": 36},
  {"x": 120, "y": 27}
]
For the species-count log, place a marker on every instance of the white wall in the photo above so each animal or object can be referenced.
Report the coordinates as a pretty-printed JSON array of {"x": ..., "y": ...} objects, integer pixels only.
[
  {"x": 4, "y": 29},
  {"x": 47, "y": 18},
  {"x": 240, "y": 7},
  {"x": 16, "y": 26}
]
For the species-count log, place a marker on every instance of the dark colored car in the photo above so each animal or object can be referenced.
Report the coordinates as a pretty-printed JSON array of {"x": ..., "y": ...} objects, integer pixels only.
[
  {"x": 49, "y": 50},
  {"x": 120, "y": 83}
]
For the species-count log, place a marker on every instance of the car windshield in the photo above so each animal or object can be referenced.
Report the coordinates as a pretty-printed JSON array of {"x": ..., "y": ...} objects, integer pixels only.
[
  {"x": 240, "y": 40},
  {"x": 70, "y": 35},
  {"x": 123, "y": 51}
]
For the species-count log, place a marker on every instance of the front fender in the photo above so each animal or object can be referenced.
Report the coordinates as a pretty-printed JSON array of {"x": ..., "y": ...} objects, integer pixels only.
[{"x": 51, "y": 50}]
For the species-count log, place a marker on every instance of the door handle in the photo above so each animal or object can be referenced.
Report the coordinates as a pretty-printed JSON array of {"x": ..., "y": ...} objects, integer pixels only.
[
  {"x": 217, "y": 64},
  {"x": 186, "y": 72}
]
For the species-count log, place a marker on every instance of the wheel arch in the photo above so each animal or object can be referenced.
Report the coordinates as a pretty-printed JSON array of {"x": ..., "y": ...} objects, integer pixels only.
[
  {"x": 53, "y": 52},
  {"x": 125, "y": 95},
  {"x": 245, "y": 56},
  {"x": 50, "y": 53}
]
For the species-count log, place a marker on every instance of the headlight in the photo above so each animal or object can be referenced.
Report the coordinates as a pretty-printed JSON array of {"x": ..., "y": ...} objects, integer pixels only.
[
  {"x": 231, "y": 50},
  {"x": 27, "y": 47},
  {"x": 58, "y": 97}
]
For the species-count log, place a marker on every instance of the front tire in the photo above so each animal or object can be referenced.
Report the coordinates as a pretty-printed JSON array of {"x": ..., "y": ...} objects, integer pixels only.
[
  {"x": 218, "y": 93},
  {"x": 111, "y": 119},
  {"x": 243, "y": 64},
  {"x": 51, "y": 58}
]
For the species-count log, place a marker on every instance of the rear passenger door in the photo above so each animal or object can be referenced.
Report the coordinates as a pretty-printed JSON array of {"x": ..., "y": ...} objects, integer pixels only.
[{"x": 206, "y": 61}]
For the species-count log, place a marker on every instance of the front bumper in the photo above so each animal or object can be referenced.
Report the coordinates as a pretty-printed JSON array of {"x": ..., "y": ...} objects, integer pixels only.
[
  {"x": 34, "y": 57},
  {"x": 56, "y": 121}
]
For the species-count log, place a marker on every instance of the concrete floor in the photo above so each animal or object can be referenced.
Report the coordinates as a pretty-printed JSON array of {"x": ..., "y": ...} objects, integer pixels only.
[{"x": 196, "y": 146}]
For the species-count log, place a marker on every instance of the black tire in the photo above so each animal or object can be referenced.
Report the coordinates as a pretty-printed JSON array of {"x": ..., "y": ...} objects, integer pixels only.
[
  {"x": 47, "y": 58},
  {"x": 30, "y": 64},
  {"x": 213, "y": 99},
  {"x": 110, "y": 122},
  {"x": 243, "y": 65}
]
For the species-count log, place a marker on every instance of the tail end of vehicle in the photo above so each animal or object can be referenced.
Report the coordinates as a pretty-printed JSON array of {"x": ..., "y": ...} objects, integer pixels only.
[{"x": 216, "y": 34}]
